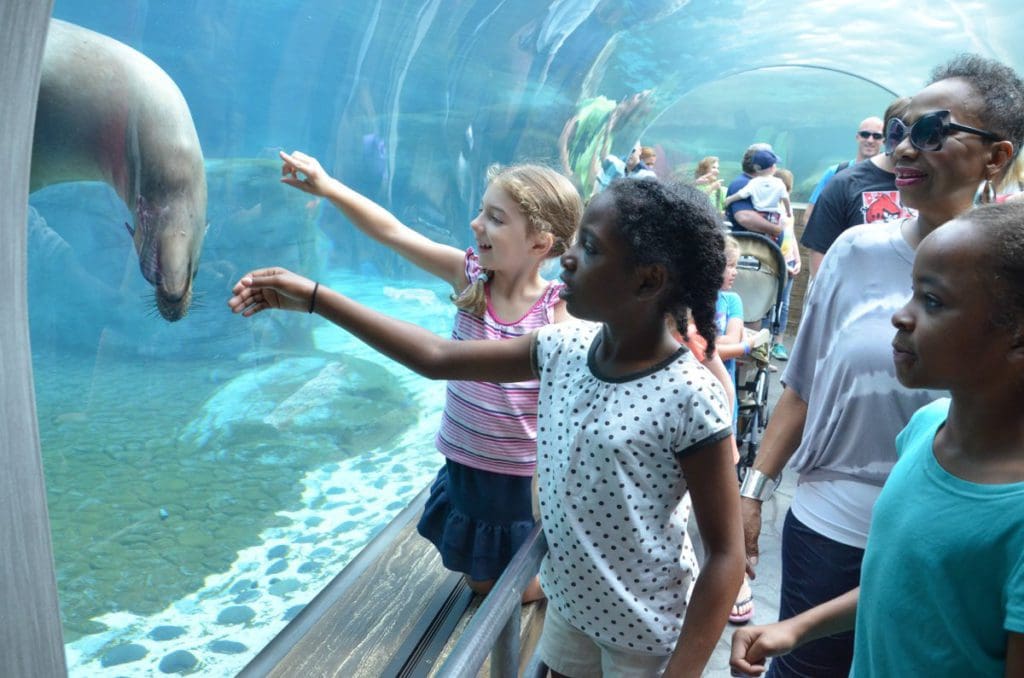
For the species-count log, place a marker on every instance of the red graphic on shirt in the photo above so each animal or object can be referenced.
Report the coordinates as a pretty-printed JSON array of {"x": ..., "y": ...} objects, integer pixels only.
[{"x": 882, "y": 206}]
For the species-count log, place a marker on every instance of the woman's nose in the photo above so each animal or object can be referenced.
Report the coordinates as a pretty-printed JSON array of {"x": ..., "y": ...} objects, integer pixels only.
[{"x": 903, "y": 148}]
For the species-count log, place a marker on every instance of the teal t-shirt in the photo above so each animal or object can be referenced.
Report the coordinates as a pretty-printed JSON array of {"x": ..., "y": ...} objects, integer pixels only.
[
  {"x": 943, "y": 574},
  {"x": 729, "y": 305}
]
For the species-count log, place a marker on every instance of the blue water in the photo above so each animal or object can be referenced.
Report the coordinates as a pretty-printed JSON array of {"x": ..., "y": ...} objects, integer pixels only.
[{"x": 207, "y": 477}]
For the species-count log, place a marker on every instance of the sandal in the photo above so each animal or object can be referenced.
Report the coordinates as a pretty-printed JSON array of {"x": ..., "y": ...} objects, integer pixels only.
[{"x": 743, "y": 609}]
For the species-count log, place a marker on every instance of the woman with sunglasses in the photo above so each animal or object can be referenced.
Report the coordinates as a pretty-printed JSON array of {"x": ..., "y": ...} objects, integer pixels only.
[{"x": 842, "y": 407}]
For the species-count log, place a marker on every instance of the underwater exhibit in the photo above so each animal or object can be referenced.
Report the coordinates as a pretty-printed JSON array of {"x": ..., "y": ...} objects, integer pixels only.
[{"x": 206, "y": 476}]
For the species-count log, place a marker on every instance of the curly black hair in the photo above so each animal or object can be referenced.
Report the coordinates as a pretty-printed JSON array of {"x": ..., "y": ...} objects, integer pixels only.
[
  {"x": 1001, "y": 90},
  {"x": 1001, "y": 226},
  {"x": 677, "y": 227}
]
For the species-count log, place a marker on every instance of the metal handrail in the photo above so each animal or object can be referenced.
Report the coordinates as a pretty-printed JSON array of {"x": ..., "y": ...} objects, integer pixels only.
[{"x": 494, "y": 629}]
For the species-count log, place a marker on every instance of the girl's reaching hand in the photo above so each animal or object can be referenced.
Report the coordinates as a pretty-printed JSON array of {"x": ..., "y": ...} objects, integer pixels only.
[
  {"x": 709, "y": 178},
  {"x": 271, "y": 288},
  {"x": 315, "y": 179},
  {"x": 752, "y": 645}
]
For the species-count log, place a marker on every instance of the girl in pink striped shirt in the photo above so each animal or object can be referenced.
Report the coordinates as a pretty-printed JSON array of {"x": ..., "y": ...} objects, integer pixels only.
[{"x": 479, "y": 510}]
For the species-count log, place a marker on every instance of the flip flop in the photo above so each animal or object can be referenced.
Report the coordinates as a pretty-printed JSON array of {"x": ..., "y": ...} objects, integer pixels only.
[{"x": 743, "y": 608}]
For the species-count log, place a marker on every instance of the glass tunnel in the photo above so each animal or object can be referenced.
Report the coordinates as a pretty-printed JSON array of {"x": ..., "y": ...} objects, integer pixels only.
[{"x": 207, "y": 475}]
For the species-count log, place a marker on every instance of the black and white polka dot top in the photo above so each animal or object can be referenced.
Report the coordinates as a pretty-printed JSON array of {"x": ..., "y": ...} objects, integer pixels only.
[{"x": 613, "y": 499}]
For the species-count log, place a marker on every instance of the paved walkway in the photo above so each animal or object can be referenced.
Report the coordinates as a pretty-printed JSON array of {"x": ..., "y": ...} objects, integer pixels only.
[{"x": 766, "y": 586}]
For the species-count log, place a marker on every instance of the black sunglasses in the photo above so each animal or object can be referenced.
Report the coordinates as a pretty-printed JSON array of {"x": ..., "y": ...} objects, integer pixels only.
[
  {"x": 928, "y": 133},
  {"x": 864, "y": 134}
]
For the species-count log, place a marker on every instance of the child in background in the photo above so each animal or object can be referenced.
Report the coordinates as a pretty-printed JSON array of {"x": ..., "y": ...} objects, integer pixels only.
[
  {"x": 480, "y": 509},
  {"x": 733, "y": 339},
  {"x": 629, "y": 426},
  {"x": 942, "y": 585},
  {"x": 791, "y": 253},
  {"x": 705, "y": 177},
  {"x": 633, "y": 166},
  {"x": 766, "y": 191}
]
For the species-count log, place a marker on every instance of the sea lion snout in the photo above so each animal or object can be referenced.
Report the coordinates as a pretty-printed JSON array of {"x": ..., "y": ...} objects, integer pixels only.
[
  {"x": 176, "y": 258},
  {"x": 168, "y": 257},
  {"x": 173, "y": 306}
]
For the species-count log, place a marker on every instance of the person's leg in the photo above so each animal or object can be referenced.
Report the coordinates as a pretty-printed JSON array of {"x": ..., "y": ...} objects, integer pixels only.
[
  {"x": 531, "y": 593},
  {"x": 779, "y": 349},
  {"x": 784, "y": 307},
  {"x": 815, "y": 569}
]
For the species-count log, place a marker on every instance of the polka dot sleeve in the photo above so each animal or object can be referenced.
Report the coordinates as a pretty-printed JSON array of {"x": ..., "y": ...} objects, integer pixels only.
[{"x": 702, "y": 412}]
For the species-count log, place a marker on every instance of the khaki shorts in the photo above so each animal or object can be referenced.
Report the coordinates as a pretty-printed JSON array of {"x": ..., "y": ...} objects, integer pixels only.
[{"x": 569, "y": 651}]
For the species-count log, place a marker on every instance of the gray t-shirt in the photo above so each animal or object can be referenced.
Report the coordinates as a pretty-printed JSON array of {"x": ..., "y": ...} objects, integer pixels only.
[{"x": 841, "y": 364}]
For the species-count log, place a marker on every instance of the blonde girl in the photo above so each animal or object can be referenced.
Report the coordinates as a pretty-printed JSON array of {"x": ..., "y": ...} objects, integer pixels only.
[
  {"x": 705, "y": 176},
  {"x": 479, "y": 510}
]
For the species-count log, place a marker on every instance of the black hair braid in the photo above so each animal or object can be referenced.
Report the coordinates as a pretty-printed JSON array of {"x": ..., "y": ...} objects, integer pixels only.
[{"x": 677, "y": 227}]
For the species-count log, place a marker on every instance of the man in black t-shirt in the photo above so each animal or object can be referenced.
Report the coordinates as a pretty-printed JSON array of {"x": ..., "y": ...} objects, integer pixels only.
[{"x": 861, "y": 194}]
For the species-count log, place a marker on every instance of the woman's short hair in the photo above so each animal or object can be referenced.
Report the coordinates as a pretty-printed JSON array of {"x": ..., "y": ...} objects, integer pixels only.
[{"x": 1001, "y": 90}]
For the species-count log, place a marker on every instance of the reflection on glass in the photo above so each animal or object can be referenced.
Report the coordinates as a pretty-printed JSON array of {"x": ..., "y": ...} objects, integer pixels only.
[{"x": 207, "y": 477}]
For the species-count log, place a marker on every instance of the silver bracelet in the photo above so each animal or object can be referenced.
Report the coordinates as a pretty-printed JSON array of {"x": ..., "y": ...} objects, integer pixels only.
[{"x": 757, "y": 485}]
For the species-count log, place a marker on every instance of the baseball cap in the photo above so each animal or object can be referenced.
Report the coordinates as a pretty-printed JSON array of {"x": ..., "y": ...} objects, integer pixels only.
[{"x": 764, "y": 159}]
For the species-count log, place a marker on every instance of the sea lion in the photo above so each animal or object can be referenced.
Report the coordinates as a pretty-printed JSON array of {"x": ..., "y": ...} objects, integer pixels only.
[{"x": 108, "y": 113}]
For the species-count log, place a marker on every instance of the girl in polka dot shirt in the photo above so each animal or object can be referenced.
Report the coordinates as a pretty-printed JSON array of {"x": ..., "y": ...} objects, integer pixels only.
[{"x": 632, "y": 433}]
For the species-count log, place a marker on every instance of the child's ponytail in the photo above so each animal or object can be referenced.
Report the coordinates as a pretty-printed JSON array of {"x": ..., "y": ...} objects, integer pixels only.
[
  {"x": 704, "y": 318},
  {"x": 473, "y": 299}
]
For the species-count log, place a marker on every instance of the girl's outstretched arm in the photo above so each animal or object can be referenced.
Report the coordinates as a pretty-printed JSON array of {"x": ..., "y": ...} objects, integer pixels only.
[
  {"x": 415, "y": 347},
  {"x": 752, "y": 645},
  {"x": 711, "y": 479},
  {"x": 444, "y": 261}
]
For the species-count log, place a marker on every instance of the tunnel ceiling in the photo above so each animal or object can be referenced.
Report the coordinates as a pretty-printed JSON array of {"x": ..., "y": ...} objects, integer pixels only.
[{"x": 422, "y": 96}]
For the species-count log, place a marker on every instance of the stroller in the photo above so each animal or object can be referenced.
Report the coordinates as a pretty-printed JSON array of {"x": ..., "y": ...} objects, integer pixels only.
[{"x": 760, "y": 282}]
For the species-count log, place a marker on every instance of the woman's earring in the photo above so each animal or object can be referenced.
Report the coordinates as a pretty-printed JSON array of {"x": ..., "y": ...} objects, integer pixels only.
[{"x": 985, "y": 194}]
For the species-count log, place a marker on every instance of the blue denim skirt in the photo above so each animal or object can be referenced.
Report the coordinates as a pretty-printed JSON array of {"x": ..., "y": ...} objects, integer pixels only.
[{"x": 477, "y": 519}]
